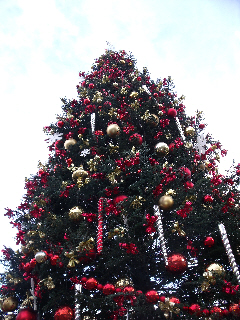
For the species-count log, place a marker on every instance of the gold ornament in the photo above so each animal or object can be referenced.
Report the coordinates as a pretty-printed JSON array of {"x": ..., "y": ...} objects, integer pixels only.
[
  {"x": 137, "y": 203},
  {"x": 113, "y": 148},
  {"x": 117, "y": 231},
  {"x": 168, "y": 307},
  {"x": 122, "y": 283},
  {"x": 86, "y": 245},
  {"x": 176, "y": 228},
  {"x": 10, "y": 304},
  {"x": 152, "y": 120},
  {"x": 68, "y": 143},
  {"x": 79, "y": 173},
  {"x": 215, "y": 269},
  {"x": 72, "y": 259},
  {"x": 166, "y": 202},
  {"x": 41, "y": 256},
  {"x": 189, "y": 131},
  {"x": 75, "y": 213},
  {"x": 49, "y": 283},
  {"x": 113, "y": 130},
  {"x": 134, "y": 94},
  {"x": 162, "y": 148}
]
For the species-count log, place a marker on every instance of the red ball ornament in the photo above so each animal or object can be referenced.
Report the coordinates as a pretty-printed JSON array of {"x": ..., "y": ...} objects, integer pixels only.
[
  {"x": 136, "y": 139},
  {"x": 172, "y": 112},
  {"x": 119, "y": 199},
  {"x": 99, "y": 286},
  {"x": 128, "y": 289},
  {"x": 209, "y": 242},
  {"x": 60, "y": 124},
  {"x": 195, "y": 309},
  {"x": 208, "y": 199},
  {"x": 152, "y": 296},
  {"x": 108, "y": 289},
  {"x": 174, "y": 300},
  {"x": 91, "y": 284},
  {"x": 177, "y": 263},
  {"x": 234, "y": 309},
  {"x": 27, "y": 314},
  {"x": 216, "y": 311},
  {"x": 202, "y": 126},
  {"x": 64, "y": 313}
]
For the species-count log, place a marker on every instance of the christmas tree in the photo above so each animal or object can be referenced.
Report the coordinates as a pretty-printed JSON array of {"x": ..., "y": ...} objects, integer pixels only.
[{"x": 130, "y": 217}]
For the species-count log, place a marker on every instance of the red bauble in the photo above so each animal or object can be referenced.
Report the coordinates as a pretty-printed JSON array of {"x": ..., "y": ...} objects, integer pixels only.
[
  {"x": 99, "y": 286},
  {"x": 174, "y": 300},
  {"x": 128, "y": 289},
  {"x": 27, "y": 314},
  {"x": 209, "y": 242},
  {"x": 108, "y": 289},
  {"x": 234, "y": 308},
  {"x": 201, "y": 126},
  {"x": 177, "y": 263},
  {"x": 195, "y": 309},
  {"x": 64, "y": 313},
  {"x": 119, "y": 199},
  {"x": 91, "y": 284},
  {"x": 208, "y": 199},
  {"x": 216, "y": 311},
  {"x": 172, "y": 112},
  {"x": 152, "y": 296},
  {"x": 60, "y": 124},
  {"x": 136, "y": 139}
]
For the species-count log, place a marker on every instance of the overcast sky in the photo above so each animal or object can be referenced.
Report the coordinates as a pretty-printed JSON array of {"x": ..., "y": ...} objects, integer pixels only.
[{"x": 44, "y": 44}]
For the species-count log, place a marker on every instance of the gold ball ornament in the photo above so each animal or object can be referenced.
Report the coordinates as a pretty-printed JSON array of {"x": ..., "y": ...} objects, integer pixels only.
[
  {"x": 122, "y": 283},
  {"x": 75, "y": 213},
  {"x": 10, "y": 304},
  {"x": 79, "y": 173},
  {"x": 216, "y": 269},
  {"x": 41, "y": 256},
  {"x": 189, "y": 131},
  {"x": 113, "y": 130},
  {"x": 68, "y": 143},
  {"x": 166, "y": 202},
  {"x": 162, "y": 148},
  {"x": 152, "y": 120}
]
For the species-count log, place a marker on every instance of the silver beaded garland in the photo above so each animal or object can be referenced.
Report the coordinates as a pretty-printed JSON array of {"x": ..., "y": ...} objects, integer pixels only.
[{"x": 161, "y": 235}]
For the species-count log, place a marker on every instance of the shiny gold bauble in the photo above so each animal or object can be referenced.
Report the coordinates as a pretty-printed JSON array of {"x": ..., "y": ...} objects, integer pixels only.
[
  {"x": 75, "y": 213},
  {"x": 68, "y": 143},
  {"x": 189, "y": 131},
  {"x": 152, "y": 120},
  {"x": 122, "y": 283},
  {"x": 162, "y": 148},
  {"x": 216, "y": 269},
  {"x": 79, "y": 173},
  {"x": 166, "y": 202},
  {"x": 41, "y": 256},
  {"x": 113, "y": 130},
  {"x": 9, "y": 304}
]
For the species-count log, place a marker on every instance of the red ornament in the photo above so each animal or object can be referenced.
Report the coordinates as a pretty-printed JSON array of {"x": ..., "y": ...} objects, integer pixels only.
[
  {"x": 152, "y": 296},
  {"x": 64, "y": 313},
  {"x": 60, "y": 124},
  {"x": 208, "y": 199},
  {"x": 177, "y": 263},
  {"x": 119, "y": 199},
  {"x": 209, "y": 242},
  {"x": 172, "y": 112},
  {"x": 108, "y": 289},
  {"x": 216, "y": 311},
  {"x": 128, "y": 289},
  {"x": 185, "y": 173},
  {"x": 91, "y": 284},
  {"x": 202, "y": 126},
  {"x": 234, "y": 308},
  {"x": 99, "y": 286},
  {"x": 195, "y": 309},
  {"x": 174, "y": 300},
  {"x": 136, "y": 139},
  {"x": 27, "y": 314}
]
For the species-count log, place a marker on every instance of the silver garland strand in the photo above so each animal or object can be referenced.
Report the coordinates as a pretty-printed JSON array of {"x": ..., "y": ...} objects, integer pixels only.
[
  {"x": 161, "y": 235},
  {"x": 93, "y": 117},
  {"x": 228, "y": 249},
  {"x": 78, "y": 290},
  {"x": 180, "y": 128},
  {"x": 34, "y": 297}
]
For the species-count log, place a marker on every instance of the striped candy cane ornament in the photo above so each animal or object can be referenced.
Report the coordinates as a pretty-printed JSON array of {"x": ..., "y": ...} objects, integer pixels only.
[{"x": 100, "y": 226}]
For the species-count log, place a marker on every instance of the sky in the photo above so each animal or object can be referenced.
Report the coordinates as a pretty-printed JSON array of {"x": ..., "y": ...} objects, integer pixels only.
[{"x": 44, "y": 45}]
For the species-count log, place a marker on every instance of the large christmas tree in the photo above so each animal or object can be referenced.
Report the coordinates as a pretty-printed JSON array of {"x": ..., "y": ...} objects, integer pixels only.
[{"x": 129, "y": 218}]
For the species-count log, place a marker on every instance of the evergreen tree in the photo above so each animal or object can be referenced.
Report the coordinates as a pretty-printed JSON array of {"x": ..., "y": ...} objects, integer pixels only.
[{"x": 127, "y": 208}]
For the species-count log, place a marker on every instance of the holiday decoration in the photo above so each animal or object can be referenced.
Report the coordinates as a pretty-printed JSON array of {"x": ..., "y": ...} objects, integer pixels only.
[
  {"x": 125, "y": 212},
  {"x": 166, "y": 202},
  {"x": 41, "y": 256},
  {"x": 75, "y": 213},
  {"x": 162, "y": 149},
  {"x": 9, "y": 304},
  {"x": 113, "y": 130},
  {"x": 64, "y": 313},
  {"x": 152, "y": 120},
  {"x": 152, "y": 296},
  {"x": 177, "y": 264},
  {"x": 69, "y": 143},
  {"x": 227, "y": 246},
  {"x": 189, "y": 131},
  {"x": 27, "y": 314}
]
